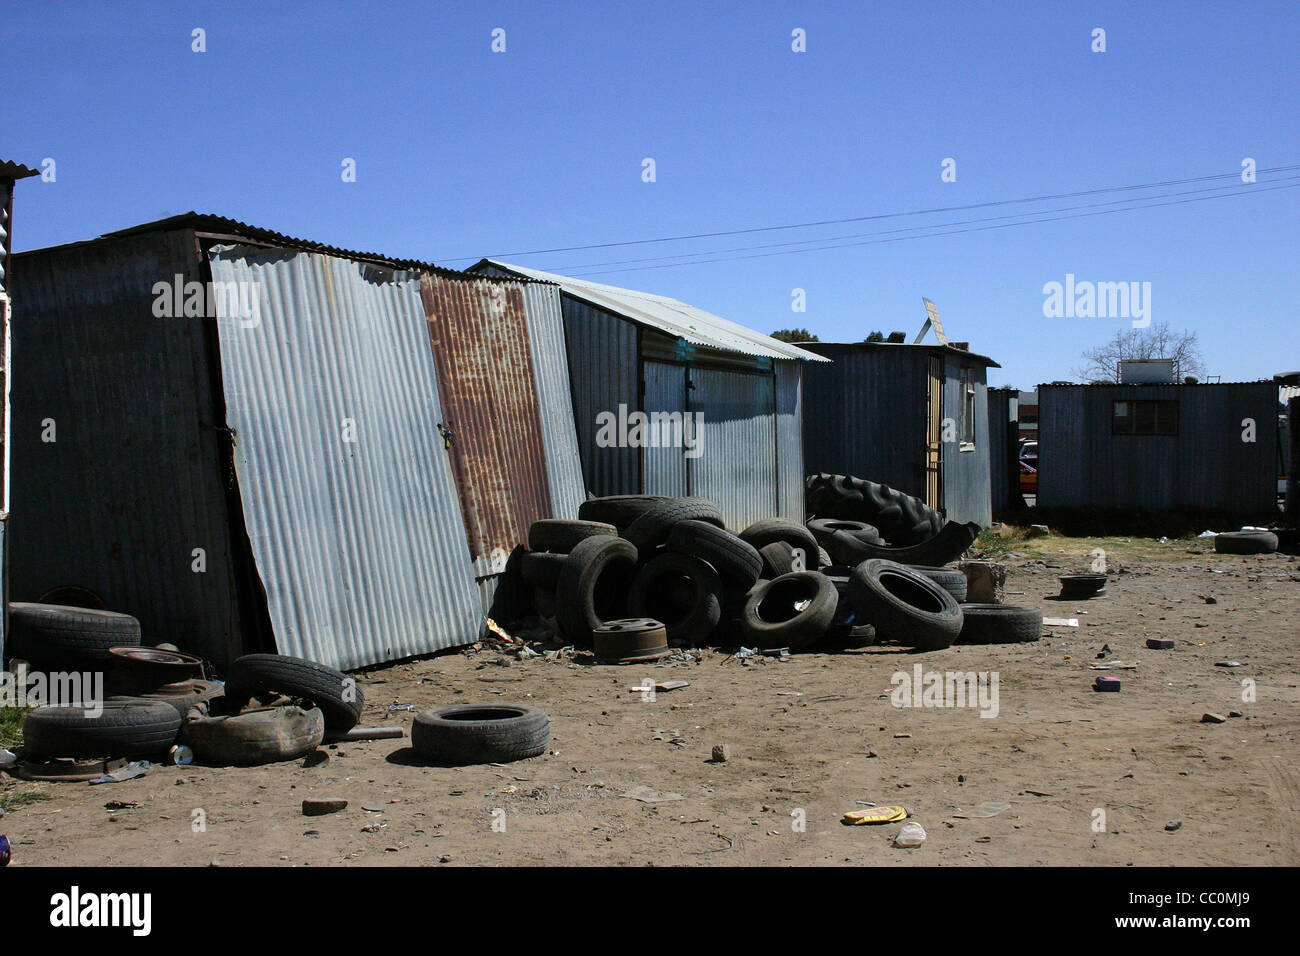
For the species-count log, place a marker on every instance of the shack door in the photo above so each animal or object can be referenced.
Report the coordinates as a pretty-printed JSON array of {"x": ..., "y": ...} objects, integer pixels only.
[
  {"x": 665, "y": 465},
  {"x": 734, "y": 462},
  {"x": 934, "y": 434}
]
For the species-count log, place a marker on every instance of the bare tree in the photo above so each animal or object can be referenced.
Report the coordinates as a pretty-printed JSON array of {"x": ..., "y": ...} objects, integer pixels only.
[{"x": 1157, "y": 341}]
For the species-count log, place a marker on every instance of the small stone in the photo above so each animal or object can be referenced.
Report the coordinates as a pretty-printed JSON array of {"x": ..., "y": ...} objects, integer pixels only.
[
  {"x": 720, "y": 753},
  {"x": 1210, "y": 600},
  {"x": 1235, "y": 713},
  {"x": 445, "y": 858},
  {"x": 1038, "y": 531},
  {"x": 319, "y": 806},
  {"x": 1173, "y": 825},
  {"x": 316, "y": 759},
  {"x": 1213, "y": 719},
  {"x": 961, "y": 778}
]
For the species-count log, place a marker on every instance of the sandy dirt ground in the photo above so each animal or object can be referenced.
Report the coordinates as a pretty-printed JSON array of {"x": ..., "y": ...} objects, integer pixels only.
[{"x": 808, "y": 740}]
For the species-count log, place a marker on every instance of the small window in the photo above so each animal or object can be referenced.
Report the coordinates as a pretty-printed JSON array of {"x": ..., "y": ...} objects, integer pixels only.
[
  {"x": 1144, "y": 417},
  {"x": 968, "y": 407}
]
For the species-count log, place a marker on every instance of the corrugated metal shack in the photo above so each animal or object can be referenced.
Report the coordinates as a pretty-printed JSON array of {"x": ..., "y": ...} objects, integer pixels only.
[
  {"x": 1159, "y": 447},
  {"x": 1004, "y": 450},
  {"x": 251, "y": 441},
  {"x": 634, "y": 351},
  {"x": 914, "y": 417},
  {"x": 10, "y": 173}
]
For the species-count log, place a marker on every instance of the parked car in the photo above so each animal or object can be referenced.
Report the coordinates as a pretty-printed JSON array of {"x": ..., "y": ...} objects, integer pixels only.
[{"x": 1029, "y": 468}]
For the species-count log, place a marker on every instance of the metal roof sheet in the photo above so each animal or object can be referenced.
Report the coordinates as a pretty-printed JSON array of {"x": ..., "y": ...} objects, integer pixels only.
[
  {"x": 11, "y": 170},
  {"x": 668, "y": 315},
  {"x": 941, "y": 349}
]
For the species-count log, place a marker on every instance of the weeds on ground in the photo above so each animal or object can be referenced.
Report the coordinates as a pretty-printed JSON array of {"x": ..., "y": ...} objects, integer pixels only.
[
  {"x": 19, "y": 799},
  {"x": 11, "y": 726}
]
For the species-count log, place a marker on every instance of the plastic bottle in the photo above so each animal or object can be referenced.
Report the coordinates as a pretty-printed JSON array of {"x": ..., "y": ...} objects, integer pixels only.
[{"x": 912, "y": 834}]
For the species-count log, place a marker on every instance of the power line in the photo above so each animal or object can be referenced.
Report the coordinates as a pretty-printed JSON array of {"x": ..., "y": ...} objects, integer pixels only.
[
  {"x": 890, "y": 215},
  {"x": 935, "y": 235},
  {"x": 803, "y": 242}
]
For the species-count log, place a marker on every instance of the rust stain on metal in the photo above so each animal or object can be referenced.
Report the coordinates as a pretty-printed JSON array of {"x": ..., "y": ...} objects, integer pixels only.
[{"x": 479, "y": 333}]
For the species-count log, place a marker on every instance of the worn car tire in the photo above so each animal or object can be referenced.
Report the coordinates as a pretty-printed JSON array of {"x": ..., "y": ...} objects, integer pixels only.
[
  {"x": 772, "y": 616},
  {"x": 55, "y": 637},
  {"x": 823, "y": 528},
  {"x": 944, "y": 548},
  {"x": 1245, "y": 542},
  {"x": 652, "y": 529},
  {"x": 593, "y": 586},
  {"x": 735, "y": 559},
  {"x": 904, "y": 606},
  {"x": 618, "y": 510},
  {"x": 481, "y": 733},
  {"x": 541, "y": 568},
  {"x": 267, "y": 735},
  {"x": 770, "y": 530},
  {"x": 553, "y": 534},
  {"x": 338, "y": 696},
  {"x": 950, "y": 579},
  {"x": 999, "y": 624},
  {"x": 125, "y": 728},
  {"x": 681, "y": 591}
]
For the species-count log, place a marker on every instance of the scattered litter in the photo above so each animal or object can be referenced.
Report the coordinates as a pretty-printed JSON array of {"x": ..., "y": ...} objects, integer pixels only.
[
  {"x": 365, "y": 733},
  {"x": 985, "y": 810},
  {"x": 1173, "y": 825},
  {"x": 181, "y": 755},
  {"x": 1213, "y": 719},
  {"x": 394, "y": 708},
  {"x": 901, "y": 736},
  {"x": 113, "y": 805},
  {"x": 5, "y": 852},
  {"x": 1209, "y": 600},
  {"x": 7, "y": 759},
  {"x": 874, "y": 815},
  {"x": 743, "y": 652},
  {"x": 647, "y": 795},
  {"x": 500, "y": 632},
  {"x": 1037, "y": 793},
  {"x": 1113, "y": 665},
  {"x": 1160, "y": 644},
  {"x": 1060, "y": 622},
  {"x": 781, "y": 652},
  {"x": 1227, "y": 663},
  {"x": 720, "y": 753},
  {"x": 137, "y": 768},
  {"x": 1107, "y": 684},
  {"x": 912, "y": 835},
  {"x": 789, "y": 693},
  {"x": 1235, "y": 713},
  {"x": 661, "y": 685}
]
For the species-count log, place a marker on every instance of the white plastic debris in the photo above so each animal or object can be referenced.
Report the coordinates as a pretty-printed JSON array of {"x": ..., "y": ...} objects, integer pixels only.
[
  {"x": 911, "y": 835},
  {"x": 7, "y": 759}
]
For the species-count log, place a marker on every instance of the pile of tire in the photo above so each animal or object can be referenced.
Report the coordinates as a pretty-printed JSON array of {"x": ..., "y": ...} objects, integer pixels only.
[{"x": 776, "y": 584}]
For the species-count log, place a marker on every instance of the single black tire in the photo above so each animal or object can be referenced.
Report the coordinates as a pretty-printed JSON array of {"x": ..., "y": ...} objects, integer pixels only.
[
  {"x": 999, "y": 624},
  {"x": 541, "y": 568},
  {"x": 337, "y": 695},
  {"x": 593, "y": 586},
  {"x": 736, "y": 560},
  {"x": 950, "y": 579},
  {"x": 794, "y": 610},
  {"x": 904, "y": 606},
  {"x": 201, "y": 694},
  {"x": 770, "y": 530},
  {"x": 618, "y": 510},
  {"x": 553, "y": 534},
  {"x": 683, "y": 592},
  {"x": 124, "y": 728},
  {"x": 56, "y": 637},
  {"x": 778, "y": 559},
  {"x": 823, "y": 528},
  {"x": 481, "y": 733},
  {"x": 267, "y": 735},
  {"x": 652, "y": 529},
  {"x": 944, "y": 548},
  {"x": 1245, "y": 542}
]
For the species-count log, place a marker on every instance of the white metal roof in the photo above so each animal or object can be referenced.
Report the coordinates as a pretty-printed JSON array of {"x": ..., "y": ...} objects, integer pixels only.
[{"x": 669, "y": 315}]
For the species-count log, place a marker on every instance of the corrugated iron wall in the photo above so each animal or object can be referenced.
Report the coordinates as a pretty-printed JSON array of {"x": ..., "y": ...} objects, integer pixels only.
[
  {"x": 864, "y": 415},
  {"x": 1206, "y": 465},
  {"x": 115, "y": 461},
  {"x": 789, "y": 440},
  {"x": 737, "y": 467},
  {"x": 1004, "y": 443},
  {"x": 966, "y": 481},
  {"x": 482, "y": 351},
  {"x": 665, "y": 391},
  {"x": 604, "y": 372},
  {"x": 351, "y": 509},
  {"x": 551, "y": 372}
]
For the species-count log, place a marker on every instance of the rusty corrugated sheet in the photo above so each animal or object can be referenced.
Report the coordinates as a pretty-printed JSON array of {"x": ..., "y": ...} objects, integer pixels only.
[{"x": 479, "y": 332}]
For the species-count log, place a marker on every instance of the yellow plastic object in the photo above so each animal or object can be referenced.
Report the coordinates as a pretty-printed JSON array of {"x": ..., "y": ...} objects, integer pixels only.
[{"x": 875, "y": 815}]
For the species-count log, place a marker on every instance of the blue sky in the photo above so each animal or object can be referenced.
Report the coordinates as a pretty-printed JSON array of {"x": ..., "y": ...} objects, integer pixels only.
[{"x": 462, "y": 152}]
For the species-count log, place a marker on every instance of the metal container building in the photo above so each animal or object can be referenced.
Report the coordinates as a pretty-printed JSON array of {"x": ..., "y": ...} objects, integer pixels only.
[
  {"x": 914, "y": 417},
  {"x": 256, "y": 442},
  {"x": 631, "y": 352},
  {"x": 1159, "y": 447}
]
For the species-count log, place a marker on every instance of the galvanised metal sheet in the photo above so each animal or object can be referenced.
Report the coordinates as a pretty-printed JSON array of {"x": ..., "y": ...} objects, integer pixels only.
[
  {"x": 736, "y": 468},
  {"x": 665, "y": 393},
  {"x": 481, "y": 349},
  {"x": 1207, "y": 465},
  {"x": 604, "y": 372},
  {"x": 668, "y": 315},
  {"x": 351, "y": 510},
  {"x": 551, "y": 375},
  {"x": 116, "y": 476},
  {"x": 966, "y": 488},
  {"x": 789, "y": 440}
]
